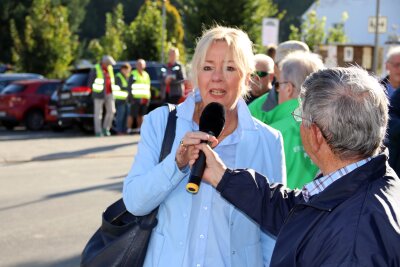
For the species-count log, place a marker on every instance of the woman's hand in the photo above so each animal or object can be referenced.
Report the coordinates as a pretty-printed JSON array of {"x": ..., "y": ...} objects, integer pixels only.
[
  {"x": 187, "y": 149},
  {"x": 215, "y": 167}
]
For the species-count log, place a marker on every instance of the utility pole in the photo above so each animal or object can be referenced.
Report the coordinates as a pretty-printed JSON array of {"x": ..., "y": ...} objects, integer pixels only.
[
  {"x": 163, "y": 31},
  {"x": 376, "y": 48}
]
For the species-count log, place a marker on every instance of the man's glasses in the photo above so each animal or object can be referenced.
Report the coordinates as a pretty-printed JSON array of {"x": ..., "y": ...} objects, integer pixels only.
[
  {"x": 298, "y": 116},
  {"x": 260, "y": 74},
  {"x": 395, "y": 65}
]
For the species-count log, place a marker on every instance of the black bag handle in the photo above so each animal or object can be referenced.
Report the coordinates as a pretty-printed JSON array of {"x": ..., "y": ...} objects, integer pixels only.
[
  {"x": 150, "y": 221},
  {"x": 169, "y": 135}
]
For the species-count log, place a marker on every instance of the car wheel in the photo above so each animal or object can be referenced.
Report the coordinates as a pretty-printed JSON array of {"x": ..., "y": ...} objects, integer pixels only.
[
  {"x": 34, "y": 120},
  {"x": 9, "y": 125},
  {"x": 86, "y": 127}
]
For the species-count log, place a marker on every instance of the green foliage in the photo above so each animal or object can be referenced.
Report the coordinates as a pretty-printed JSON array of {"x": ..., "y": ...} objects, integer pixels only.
[
  {"x": 254, "y": 12},
  {"x": 46, "y": 45},
  {"x": 293, "y": 12},
  {"x": 143, "y": 34},
  {"x": 11, "y": 10},
  {"x": 312, "y": 30},
  {"x": 112, "y": 42},
  {"x": 336, "y": 34},
  {"x": 294, "y": 33},
  {"x": 244, "y": 14},
  {"x": 174, "y": 29},
  {"x": 77, "y": 12},
  {"x": 95, "y": 50}
]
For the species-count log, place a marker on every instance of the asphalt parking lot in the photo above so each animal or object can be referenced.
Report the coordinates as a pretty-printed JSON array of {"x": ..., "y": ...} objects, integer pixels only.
[{"x": 53, "y": 188}]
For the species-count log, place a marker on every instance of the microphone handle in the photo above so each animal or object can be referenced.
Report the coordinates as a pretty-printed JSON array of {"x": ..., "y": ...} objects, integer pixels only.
[{"x": 196, "y": 173}]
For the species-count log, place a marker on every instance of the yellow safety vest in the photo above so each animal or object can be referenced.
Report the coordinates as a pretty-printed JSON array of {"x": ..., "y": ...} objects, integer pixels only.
[
  {"x": 118, "y": 92},
  {"x": 98, "y": 84},
  {"x": 141, "y": 87}
]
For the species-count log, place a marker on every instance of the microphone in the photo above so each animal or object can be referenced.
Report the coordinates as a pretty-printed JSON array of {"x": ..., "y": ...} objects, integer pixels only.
[{"x": 212, "y": 121}]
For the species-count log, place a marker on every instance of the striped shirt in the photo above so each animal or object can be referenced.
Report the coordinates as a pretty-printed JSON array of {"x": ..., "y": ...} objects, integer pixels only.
[{"x": 320, "y": 183}]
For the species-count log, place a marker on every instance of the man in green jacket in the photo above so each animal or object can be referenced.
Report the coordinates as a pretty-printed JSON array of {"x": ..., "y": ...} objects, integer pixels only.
[
  {"x": 294, "y": 69},
  {"x": 262, "y": 108}
]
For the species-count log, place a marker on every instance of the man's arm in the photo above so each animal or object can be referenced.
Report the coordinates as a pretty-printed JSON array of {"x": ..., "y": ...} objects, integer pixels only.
[{"x": 267, "y": 204}]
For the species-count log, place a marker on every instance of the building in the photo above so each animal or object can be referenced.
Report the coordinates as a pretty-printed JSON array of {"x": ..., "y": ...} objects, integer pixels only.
[{"x": 360, "y": 28}]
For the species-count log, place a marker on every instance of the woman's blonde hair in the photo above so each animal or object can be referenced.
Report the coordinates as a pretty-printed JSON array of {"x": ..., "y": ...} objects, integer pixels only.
[{"x": 239, "y": 44}]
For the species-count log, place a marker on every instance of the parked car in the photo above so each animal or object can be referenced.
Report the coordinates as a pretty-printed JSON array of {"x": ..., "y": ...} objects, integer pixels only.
[
  {"x": 7, "y": 78},
  {"x": 26, "y": 102},
  {"x": 73, "y": 103}
]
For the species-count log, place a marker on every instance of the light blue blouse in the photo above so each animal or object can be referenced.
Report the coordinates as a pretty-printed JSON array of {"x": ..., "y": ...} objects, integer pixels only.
[{"x": 202, "y": 229}]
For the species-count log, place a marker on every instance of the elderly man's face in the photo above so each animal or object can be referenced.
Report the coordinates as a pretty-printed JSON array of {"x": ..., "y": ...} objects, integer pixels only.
[
  {"x": 393, "y": 66},
  {"x": 140, "y": 66},
  {"x": 261, "y": 79}
]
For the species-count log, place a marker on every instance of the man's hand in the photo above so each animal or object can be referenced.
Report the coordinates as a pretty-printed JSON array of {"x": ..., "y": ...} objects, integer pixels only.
[{"x": 215, "y": 167}]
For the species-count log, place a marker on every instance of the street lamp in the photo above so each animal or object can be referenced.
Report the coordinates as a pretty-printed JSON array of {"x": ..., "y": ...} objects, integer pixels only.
[
  {"x": 375, "y": 67},
  {"x": 163, "y": 31}
]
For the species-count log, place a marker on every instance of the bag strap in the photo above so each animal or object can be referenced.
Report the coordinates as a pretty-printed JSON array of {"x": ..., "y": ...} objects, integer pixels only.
[
  {"x": 118, "y": 208},
  {"x": 150, "y": 221},
  {"x": 169, "y": 135}
]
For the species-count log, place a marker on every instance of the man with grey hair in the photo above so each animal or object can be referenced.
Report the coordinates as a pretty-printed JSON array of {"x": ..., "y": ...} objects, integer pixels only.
[
  {"x": 262, "y": 108},
  {"x": 349, "y": 215},
  {"x": 392, "y": 84},
  {"x": 294, "y": 69},
  {"x": 102, "y": 81},
  {"x": 392, "y": 81},
  {"x": 262, "y": 77}
]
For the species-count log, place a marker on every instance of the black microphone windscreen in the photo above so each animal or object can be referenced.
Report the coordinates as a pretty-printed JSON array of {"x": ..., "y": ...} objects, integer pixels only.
[{"x": 212, "y": 119}]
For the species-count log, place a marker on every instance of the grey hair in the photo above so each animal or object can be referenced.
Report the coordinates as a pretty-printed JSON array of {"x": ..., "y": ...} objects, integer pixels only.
[
  {"x": 288, "y": 47},
  {"x": 350, "y": 108},
  {"x": 394, "y": 51},
  {"x": 239, "y": 45},
  {"x": 108, "y": 60},
  {"x": 296, "y": 66},
  {"x": 266, "y": 60}
]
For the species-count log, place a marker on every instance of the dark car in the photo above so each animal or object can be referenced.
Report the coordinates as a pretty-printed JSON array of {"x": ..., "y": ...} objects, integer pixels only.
[
  {"x": 25, "y": 102},
  {"x": 7, "y": 78},
  {"x": 73, "y": 103}
]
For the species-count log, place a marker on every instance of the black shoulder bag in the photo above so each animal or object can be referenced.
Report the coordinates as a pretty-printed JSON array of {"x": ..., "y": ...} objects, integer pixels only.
[{"x": 123, "y": 238}]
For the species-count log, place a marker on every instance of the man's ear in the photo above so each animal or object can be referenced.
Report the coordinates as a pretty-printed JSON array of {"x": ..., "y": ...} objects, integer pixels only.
[
  {"x": 291, "y": 90},
  {"x": 317, "y": 139}
]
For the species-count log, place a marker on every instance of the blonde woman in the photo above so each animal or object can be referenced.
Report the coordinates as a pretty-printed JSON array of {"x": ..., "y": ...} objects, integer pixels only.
[{"x": 203, "y": 229}]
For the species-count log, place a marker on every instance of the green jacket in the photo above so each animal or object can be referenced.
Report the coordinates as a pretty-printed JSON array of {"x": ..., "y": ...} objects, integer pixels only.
[
  {"x": 299, "y": 167},
  {"x": 257, "y": 111}
]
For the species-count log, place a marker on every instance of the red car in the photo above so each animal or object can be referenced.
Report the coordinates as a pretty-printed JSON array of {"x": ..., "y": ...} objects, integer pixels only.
[{"x": 26, "y": 102}]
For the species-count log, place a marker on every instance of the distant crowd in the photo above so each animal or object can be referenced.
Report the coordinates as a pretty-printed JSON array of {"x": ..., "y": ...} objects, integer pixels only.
[{"x": 127, "y": 94}]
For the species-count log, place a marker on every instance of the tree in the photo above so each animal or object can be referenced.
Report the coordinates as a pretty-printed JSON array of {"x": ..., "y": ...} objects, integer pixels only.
[
  {"x": 112, "y": 42},
  {"x": 174, "y": 29},
  {"x": 312, "y": 30},
  {"x": 336, "y": 34},
  {"x": 46, "y": 45},
  {"x": 143, "y": 34},
  {"x": 244, "y": 14},
  {"x": 11, "y": 10}
]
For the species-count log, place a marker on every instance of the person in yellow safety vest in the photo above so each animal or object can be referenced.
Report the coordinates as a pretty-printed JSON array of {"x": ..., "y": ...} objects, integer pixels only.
[
  {"x": 140, "y": 95},
  {"x": 123, "y": 82},
  {"x": 103, "y": 85}
]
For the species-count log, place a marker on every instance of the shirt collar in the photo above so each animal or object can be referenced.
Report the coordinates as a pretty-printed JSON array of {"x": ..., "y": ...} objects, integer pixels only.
[
  {"x": 186, "y": 110},
  {"x": 321, "y": 183}
]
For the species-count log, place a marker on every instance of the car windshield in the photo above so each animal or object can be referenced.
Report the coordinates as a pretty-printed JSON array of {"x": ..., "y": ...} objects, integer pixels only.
[
  {"x": 77, "y": 79},
  {"x": 155, "y": 73},
  {"x": 13, "y": 89}
]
